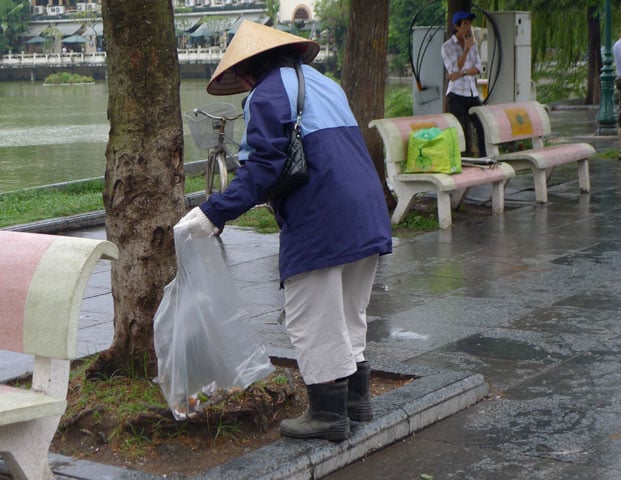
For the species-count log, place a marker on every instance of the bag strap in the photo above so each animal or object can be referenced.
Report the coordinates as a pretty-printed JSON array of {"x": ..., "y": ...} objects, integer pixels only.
[{"x": 301, "y": 93}]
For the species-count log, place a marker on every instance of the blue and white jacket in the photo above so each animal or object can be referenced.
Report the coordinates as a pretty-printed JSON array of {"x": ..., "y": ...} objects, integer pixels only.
[{"x": 340, "y": 216}]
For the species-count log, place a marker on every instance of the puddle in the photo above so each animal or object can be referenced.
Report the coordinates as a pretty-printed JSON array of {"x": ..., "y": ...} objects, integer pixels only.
[
  {"x": 481, "y": 346},
  {"x": 382, "y": 330}
]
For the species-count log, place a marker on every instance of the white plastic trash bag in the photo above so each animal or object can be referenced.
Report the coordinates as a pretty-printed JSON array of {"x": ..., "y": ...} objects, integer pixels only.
[{"x": 203, "y": 341}]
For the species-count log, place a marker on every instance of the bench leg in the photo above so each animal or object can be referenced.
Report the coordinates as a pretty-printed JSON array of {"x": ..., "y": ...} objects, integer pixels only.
[
  {"x": 583, "y": 176},
  {"x": 540, "y": 178},
  {"x": 457, "y": 197},
  {"x": 24, "y": 447},
  {"x": 498, "y": 197},
  {"x": 404, "y": 202},
  {"x": 444, "y": 209}
]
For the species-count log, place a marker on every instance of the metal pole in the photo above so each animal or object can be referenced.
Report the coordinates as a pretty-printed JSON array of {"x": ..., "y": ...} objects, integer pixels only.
[{"x": 606, "y": 121}]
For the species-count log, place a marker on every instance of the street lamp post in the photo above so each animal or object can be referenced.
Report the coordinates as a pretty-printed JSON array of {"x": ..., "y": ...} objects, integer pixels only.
[{"x": 606, "y": 121}]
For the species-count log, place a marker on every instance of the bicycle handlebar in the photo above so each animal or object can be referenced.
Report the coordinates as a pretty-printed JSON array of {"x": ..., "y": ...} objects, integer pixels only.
[{"x": 216, "y": 117}]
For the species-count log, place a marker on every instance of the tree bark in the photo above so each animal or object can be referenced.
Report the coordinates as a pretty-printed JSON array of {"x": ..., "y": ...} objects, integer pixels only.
[
  {"x": 144, "y": 178},
  {"x": 455, "y": 6},
  {"x": 364, "y": 74},
  {"x": 593, "y": 92}
]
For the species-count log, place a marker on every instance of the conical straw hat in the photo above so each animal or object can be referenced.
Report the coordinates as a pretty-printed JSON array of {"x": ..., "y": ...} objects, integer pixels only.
[{"x": 250, "y": 39}]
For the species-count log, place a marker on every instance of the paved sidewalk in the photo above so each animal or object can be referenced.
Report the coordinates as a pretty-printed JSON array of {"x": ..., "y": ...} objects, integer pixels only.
[{"x": 519, "y": 310}]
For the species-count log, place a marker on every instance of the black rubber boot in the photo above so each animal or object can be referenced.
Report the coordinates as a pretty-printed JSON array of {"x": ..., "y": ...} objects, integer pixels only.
[
  {"x": 358, "y": 398},
  {"x": 326, "y": 415}
]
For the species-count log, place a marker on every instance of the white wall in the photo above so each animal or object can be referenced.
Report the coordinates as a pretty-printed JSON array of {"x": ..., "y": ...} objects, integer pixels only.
[{"x": 288, "y": 8}]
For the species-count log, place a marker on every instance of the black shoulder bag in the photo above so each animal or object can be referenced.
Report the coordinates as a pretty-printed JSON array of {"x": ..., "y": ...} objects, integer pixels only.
[{"x": 295, "y": 173}]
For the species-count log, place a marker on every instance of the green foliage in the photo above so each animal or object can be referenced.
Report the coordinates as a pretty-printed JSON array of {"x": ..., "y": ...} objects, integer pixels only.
[
  {"x": 88, "y": 16},
  {"x": 560, "y": 55},
  {"x": 281, "y": 379},
  {"x": 557, "y": 81},
  {"x": 30, "y": 205},
  {"x": 195, "y": 183},
  {"x": 230, "y": 430},
  {"x": 272, "y": 7},
  {"x": 399, "y": 103},
  {"x": 51, "y": 32},
  {"x": 259, "y": 218},
  {"x": 334, "y": 15},
  {"x": 64, "y": 78},
  {"x": 33, "y": 204},
  {"x": 403, "y": 15},
  {"x": 331, "y": 76},
  {"x": 14, "y": 18},
  {"x": 612, "y": 154},
  {"x": 414, "y": 223}
]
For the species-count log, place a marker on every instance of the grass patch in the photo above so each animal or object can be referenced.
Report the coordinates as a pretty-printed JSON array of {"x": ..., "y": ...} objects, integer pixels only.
[
  {"x": 416, "y": 222},
  {"x": 35, "y": 204},
  {"x": 610, "y": 154},
  {"x": 24, "y": 206},
  {"x": 125, "y": 421},
  {"x": 259, "y": 218}
]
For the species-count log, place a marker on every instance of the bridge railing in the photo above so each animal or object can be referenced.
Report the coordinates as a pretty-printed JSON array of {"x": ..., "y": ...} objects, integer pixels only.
[{"x": 186, "y": 55}]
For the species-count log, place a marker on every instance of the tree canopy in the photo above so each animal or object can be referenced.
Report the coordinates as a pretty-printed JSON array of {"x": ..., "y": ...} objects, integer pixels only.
[
  {"x": 14, "y": 18},
  {"x": 568, "y": 58}
]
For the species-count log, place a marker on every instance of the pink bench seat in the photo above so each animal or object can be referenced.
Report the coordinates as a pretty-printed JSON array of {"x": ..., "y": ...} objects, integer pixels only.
[
  {"x": 510, "y": 122},
  {"x": 449, "y": 189}
]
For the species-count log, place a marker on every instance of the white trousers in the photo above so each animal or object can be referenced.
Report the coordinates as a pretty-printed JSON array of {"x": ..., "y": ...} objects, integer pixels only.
[{"x": 326, "y": 318}]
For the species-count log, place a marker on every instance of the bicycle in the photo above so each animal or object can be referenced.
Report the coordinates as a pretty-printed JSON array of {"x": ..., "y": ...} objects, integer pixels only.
[{"x": 212, "y": 127}]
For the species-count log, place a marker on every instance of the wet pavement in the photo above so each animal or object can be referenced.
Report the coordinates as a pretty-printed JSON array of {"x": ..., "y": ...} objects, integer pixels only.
[
  {"x": 527, "y": 302},
  {"x": 532, "y": 301}
]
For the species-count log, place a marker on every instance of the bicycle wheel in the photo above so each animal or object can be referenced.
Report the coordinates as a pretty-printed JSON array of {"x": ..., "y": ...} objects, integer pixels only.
[{"x": 216, "y": 176}]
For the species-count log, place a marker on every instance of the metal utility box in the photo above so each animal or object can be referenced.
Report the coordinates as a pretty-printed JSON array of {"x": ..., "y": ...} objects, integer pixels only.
[
  {"x": 427, "y": 60},
  {"x": 512, "y": 82}
]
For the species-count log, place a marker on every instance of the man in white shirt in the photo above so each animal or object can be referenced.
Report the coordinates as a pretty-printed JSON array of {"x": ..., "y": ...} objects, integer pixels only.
[
  {"x": 617, "y": 52},
  {"x": 463, "y": 63}
]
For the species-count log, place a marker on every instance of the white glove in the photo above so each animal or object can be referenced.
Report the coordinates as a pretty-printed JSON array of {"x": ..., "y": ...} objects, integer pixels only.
[{"x": 197, "y": 224}]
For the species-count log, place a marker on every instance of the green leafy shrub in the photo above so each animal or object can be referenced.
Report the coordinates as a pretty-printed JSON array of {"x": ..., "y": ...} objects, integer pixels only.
[
  {"x": 399, "y": 103},
  {"x": 67, "y": 78}
]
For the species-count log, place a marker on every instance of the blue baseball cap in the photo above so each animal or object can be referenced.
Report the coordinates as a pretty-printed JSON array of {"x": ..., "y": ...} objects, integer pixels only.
[{"x": 461, "y": 15}]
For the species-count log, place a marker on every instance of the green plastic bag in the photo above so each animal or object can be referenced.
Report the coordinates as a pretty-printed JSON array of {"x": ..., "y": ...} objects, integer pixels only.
[{"x": 432, "y": 150}]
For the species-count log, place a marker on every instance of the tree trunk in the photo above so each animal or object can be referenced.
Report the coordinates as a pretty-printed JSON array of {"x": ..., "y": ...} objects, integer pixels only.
[
  {"x": 593, "y": 92},
  {"x": 144, "y": 179},
  {"x": 364, "y": 74}
]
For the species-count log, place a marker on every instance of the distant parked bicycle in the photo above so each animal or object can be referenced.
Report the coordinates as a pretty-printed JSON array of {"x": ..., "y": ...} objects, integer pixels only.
[{"x": 212, "y": 128}]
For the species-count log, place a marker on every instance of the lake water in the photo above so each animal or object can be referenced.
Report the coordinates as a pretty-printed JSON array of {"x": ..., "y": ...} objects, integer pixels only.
[
  {"x": 59, "y": 133},
  {"x": 52, "y": 134}
]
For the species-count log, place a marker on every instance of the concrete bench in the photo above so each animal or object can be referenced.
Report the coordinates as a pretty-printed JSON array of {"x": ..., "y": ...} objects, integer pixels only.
[
  {"x": 42, "y": 283},
  {"x": 449, "y": 189},
  {"x": 510, "y": 122}
]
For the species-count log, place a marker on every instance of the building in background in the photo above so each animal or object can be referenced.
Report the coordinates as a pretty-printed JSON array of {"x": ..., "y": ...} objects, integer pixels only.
[
  {"x": 199, "y": 23},
  {"x": 63, "y": 7},
  {"x": 296, "y": 11}
]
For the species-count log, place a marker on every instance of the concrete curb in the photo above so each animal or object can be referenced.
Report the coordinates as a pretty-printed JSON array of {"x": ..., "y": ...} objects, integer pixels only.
[
  {"x": 62, "y": 224},
  {"x": 399, "y": 414},
  {"x": 84, "y": 220}
]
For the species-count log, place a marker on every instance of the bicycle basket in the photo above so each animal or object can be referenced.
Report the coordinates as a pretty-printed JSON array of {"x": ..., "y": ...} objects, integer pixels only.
[{"x": 204, "y": 129}]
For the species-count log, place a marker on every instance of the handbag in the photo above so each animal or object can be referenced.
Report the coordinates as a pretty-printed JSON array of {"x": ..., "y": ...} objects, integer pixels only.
[
  {"x": 295, "y": 173},
  {"x": 432, "y": 150}
]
